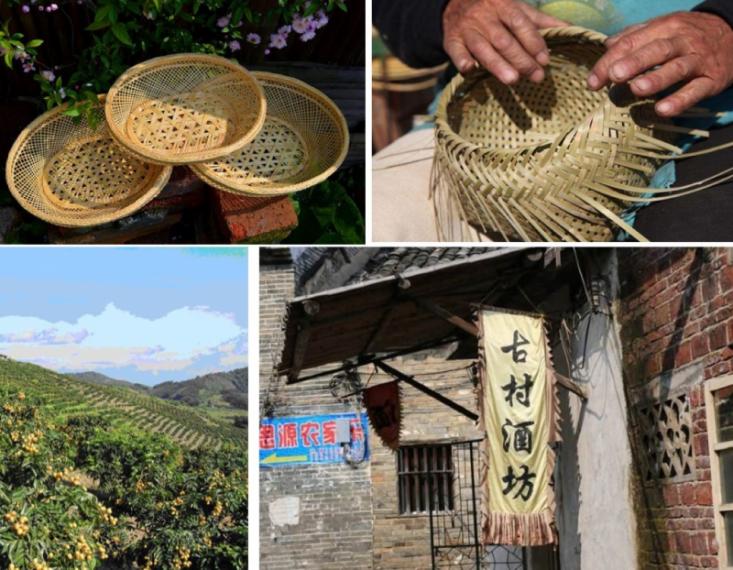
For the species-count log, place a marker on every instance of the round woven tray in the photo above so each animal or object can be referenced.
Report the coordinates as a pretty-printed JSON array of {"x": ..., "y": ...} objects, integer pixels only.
[
  {"x": 71, "y": 175},
  {"x": 185, "y": 108},
  {"x": 303, "y": 141},
  {"x": 552, "y": 161}
]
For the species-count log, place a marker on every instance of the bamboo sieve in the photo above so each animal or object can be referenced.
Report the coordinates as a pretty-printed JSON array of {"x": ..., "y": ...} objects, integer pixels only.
[
  {"x": 552, "y": 161},
  {"x": 70, "y": 174},
  {"x": 303, "y": 141},
  {"x": 185, "y": 108}
]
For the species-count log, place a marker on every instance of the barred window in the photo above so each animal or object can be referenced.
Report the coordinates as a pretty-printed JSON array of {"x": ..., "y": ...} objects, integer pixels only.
[{"x": 421, "y": 468}]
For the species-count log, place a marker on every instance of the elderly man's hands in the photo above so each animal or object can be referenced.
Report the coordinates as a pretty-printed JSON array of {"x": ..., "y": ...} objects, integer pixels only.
[
  {"x": 691, "y": 48},
  {"x": 500, "y": 35}
]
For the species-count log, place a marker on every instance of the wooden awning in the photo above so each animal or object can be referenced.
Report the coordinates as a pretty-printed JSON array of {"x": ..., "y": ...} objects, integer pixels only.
[{"x": 393, "y": 313}]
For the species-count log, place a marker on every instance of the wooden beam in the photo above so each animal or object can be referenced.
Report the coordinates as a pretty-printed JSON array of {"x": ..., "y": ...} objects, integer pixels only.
[
  {"x": 401, "y": 376},
  {"x": 310, "y": 308},
  {"x": 568, "y": 384},
  {"x": 442, "y": 313}
]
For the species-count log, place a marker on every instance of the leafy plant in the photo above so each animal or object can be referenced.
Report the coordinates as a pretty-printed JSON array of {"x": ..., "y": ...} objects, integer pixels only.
[
  {"x": 125, "y": 32},
  {"x": 327, "y": 214},
  {"x": 73, "y": 495}
]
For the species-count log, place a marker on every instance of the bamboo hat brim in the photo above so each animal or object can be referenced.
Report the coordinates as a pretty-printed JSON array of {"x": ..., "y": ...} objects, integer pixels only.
[
  {"x": 185, "y": 108},
  {"x": 304, "y": 140},
  {"x": 70, "y": 174}
]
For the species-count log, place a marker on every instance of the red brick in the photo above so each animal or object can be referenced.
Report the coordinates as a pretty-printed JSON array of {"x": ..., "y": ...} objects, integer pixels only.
[
  {"x": 253, "y": 219},
  {"x": 699, "y": 544},
  {"x": 687, "y": 494},
  {"x": 684, "y": 544},
  {"x": 718, "y": 337},
  {"x": 726, "y": 278},
  {"x": 700, "y": 444},
  {"x": 682, "y": 354},
  {"x": 671, "y": 496},
  {"x": 700, "y": 346},
  {"x": 704, "y": 494}
]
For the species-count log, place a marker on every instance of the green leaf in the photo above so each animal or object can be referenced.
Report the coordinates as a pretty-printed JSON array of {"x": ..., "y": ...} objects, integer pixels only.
[
  {"x": 94, "y": 26},
  {"x": 34, "y": 43},
  {"x": 8, "y": 58},
  {"x": 73, "y": 112},
  {"x": 120, "y": 32}
]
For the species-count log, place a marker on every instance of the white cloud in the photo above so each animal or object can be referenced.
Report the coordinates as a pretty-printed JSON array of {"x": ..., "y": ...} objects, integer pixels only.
[{"x": 117, "y": 338}]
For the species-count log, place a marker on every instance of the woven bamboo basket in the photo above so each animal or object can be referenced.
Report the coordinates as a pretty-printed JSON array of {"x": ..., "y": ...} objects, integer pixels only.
[
  {"x": 303, "y": 141},
  {"x": 185, "y": 108},
  {"x": 70, "y": 174},
  {"x": 552, "y": 161}
]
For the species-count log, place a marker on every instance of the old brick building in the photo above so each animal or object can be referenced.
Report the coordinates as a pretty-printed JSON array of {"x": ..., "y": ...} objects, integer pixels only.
[{"x": 645, "y": 336}]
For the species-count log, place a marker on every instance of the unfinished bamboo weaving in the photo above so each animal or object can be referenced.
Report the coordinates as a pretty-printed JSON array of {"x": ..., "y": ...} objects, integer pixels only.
[
  {"x": 185, "y": 108},
  {"x": 71, "y": 174},
  {"x": 303, "y": 141},
  {"x": 552, "y": 161}
]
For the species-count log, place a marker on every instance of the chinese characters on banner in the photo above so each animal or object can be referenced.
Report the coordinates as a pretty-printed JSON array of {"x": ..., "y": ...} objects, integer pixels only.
[
  {"x": 518, "y": 411},
  {"x": 305, "y": 440}
]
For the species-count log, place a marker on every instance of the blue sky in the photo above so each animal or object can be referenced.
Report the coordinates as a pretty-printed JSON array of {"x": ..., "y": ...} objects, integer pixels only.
[{"x": 141, "y": 314}]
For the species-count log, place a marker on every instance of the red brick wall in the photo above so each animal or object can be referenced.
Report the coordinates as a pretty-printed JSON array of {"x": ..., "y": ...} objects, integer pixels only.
[{"x": 677, "y": 309}]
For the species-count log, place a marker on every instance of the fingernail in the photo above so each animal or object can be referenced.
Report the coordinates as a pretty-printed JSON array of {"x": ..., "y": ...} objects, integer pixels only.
[
  {"x": 593, "y": 81},
  {"x": 665, "y": 108},
  {"x": 509, "y": 76},
  {"x": 543, "y": 58},
  {"x": 618, "y": 72},
  {"x": 642, "y": 84},
  {"x": 537, "y": 76}
]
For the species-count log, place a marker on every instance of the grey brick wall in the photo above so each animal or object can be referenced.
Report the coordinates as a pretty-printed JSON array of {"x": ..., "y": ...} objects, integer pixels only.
[{"x": 316, "y": 517}]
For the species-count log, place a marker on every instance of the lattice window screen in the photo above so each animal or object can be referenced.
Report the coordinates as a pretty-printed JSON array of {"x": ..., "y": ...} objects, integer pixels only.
[{"x": 667, "y": 439}]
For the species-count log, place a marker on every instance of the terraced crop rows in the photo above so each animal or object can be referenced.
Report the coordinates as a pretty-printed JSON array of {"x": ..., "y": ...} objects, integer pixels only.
[{"x": 66, "y": 396}]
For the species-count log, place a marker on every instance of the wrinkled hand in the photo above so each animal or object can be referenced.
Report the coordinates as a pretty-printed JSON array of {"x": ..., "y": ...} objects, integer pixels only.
[
  {"x": 692, "y": 48},
  {"x": 500, "y": 35}
]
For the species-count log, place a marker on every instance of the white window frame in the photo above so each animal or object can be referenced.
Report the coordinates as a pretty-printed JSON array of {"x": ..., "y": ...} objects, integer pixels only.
[{"x": 711, "y": 387}]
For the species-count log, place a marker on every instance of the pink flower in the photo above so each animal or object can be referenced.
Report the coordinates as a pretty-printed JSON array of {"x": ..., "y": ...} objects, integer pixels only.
[
  {"x": 28, "y": 67},
  {"x": 52, "y": 8},
  {"x": 308, "y": 36},
  {"x": 223, "y": 22},
  {"x": 62, "y": 93},
  {"x": 26, "y": 8},
  {"x": 234, "y": 45},
  {"x": 321, "y": 19},
  {"x": 267, "y": 52},
  {"x": 285, "y": 30},
  {"x": 278, "y": 41},
  {"x": 254, "y": 39},
  {"x": 48, "y": 75},
  {"x": 300, "y": 25}
]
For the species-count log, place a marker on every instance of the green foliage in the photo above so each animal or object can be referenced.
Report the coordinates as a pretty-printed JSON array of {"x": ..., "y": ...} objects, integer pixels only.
[
  {"x": 76, "y": 493},
  {"x": 13, "y": 47},
  {"x": 126, "y": 32},
  {"x": 69, "y": 398},
  {"x": 327, "y": 214},
  {"x": 49, "y": 518}
]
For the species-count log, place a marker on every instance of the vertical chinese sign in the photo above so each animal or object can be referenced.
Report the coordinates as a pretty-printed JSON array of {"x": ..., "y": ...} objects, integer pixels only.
[{"x": 517, "y": 401}]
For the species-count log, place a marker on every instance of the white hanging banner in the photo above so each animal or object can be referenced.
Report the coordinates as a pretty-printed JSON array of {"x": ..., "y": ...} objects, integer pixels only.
[{"x": 518, "y": 410}]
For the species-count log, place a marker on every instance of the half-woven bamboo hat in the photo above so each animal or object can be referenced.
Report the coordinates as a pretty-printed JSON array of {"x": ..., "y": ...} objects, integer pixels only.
[
  {"x": 185, "y": 108},
  {"x": 547, "y": 162},
  {"x": 71, "y": 174},
  {"x": 303, "y": 141}
]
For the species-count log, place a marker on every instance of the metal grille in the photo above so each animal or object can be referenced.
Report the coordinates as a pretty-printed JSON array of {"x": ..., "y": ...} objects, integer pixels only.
[
  {"x": 455, "y": 533},
  {"x": 420, "y": 470}
]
